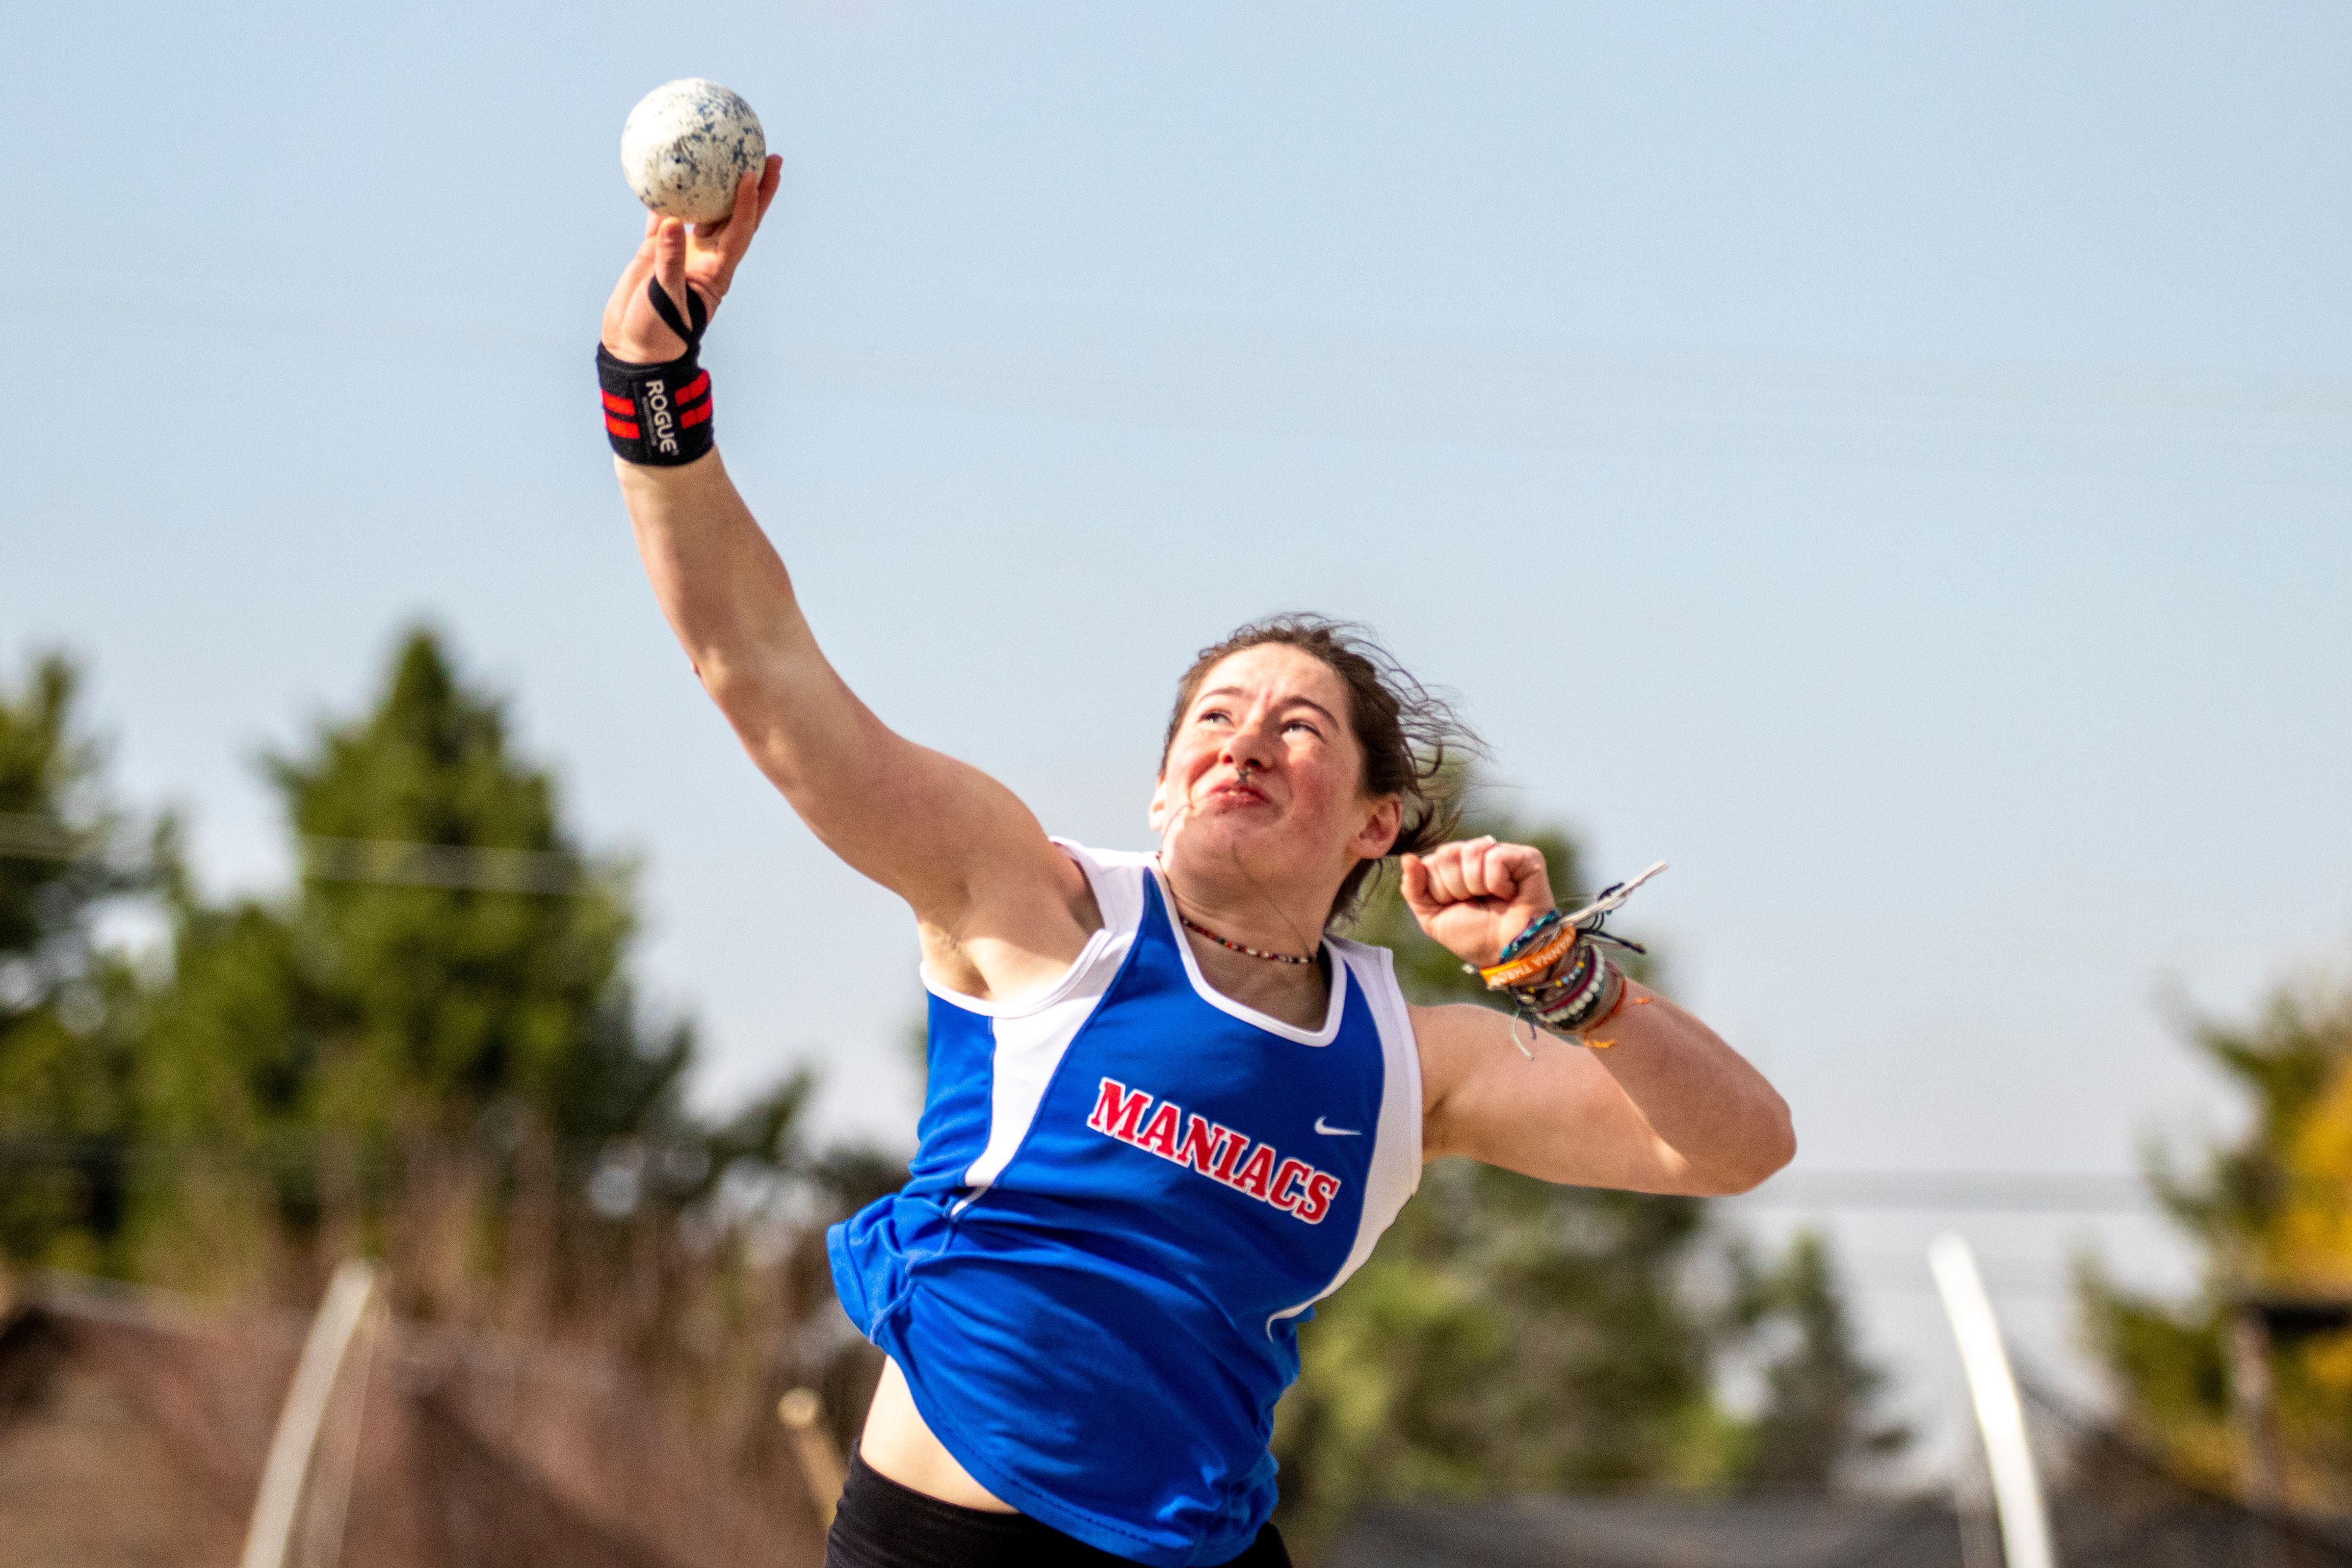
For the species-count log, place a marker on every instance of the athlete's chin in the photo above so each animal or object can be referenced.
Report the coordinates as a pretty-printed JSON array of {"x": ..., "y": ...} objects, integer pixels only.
[{"x": 1253, "y": 837}]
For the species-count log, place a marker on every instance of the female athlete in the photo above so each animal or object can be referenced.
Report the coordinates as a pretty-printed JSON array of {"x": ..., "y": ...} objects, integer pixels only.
[{"x": 1168, "y": 1110}]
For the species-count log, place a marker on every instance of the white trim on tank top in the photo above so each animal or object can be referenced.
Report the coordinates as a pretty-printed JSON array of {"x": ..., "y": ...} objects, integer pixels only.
[
  {"x": 1395, "y": 1172},
  {"x": 1224, "y": 1004},
  {"x": 1028, "y": 1039}
]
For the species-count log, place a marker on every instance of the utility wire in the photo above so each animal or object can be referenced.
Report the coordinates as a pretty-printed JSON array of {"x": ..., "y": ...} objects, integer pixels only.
[
  {"x": 382, "y": 862},
  {"x": 1952, "y": 1191}
]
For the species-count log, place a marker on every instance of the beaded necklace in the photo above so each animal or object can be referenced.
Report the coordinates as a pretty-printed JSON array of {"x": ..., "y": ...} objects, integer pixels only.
[{"x": 1192, "y": 925}]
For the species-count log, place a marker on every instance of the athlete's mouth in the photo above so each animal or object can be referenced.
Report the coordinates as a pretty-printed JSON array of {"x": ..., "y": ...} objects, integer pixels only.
[{"x": 1237, "y": 793}]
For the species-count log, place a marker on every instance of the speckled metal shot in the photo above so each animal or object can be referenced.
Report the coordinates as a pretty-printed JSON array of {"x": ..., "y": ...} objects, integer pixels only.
[{"x": 686, "y": 146}]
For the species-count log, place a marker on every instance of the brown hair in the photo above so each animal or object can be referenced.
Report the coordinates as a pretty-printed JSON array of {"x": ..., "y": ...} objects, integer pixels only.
[{"x": 1411, "y": 740}]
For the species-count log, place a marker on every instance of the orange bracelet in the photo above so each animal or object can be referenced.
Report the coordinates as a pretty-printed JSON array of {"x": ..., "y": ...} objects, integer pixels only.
[{"x": 1529, "y": 965}]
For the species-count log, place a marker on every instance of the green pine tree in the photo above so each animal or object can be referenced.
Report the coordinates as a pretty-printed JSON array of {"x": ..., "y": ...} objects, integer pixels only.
[
  {"x": 2271, "y": 1211},
  {"x": 456, "y": 1014},
  {"x": 377, "y": 1002},
  {"x": 1818, "y": 1419},
  {"x": 65, "y": 1100}
]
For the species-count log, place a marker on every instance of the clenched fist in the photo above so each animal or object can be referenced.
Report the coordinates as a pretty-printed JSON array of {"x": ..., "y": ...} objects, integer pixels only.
[{"x": 1474, "y": 895}]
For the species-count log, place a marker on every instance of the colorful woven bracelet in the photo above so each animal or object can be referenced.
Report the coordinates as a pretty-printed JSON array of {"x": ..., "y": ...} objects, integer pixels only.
[
  {"x": 1567, "y": 977},
  {"x": 1518, "y": 970},
  {"x": 1528, "y": 937},
  {"x": 1590, "y": 1003}
]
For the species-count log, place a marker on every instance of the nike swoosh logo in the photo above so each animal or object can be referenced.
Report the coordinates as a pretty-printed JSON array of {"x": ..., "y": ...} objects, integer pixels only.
[{"x": 1338, "y": 1132}]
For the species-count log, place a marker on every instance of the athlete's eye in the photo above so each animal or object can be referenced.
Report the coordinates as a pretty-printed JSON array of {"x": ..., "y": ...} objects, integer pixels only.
[
  {"x": 1302, "y": 725},
  {"x": 1208, "y": 715}
]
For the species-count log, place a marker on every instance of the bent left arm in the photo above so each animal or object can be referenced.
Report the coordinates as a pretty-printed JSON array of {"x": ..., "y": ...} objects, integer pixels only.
[{"x": 1667, "y": 1107}]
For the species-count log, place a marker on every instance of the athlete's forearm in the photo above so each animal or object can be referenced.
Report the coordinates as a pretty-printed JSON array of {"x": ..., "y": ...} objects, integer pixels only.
[{"x": 1702, "y": 1099}]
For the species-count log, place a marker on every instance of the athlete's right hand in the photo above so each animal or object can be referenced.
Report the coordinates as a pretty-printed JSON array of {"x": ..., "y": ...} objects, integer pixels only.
[{"x": 700, "y": 257}]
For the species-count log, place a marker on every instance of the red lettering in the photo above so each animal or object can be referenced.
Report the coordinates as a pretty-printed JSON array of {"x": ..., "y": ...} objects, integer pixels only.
[
  {"x": 1202, "y": 1138},
  {"x": 1220, "y": 1152},
  {"x": 1321, "y": 1188},
  {"x": 1116, "y": 1111},
  {"x": 1279, "y": 1194},
  {"x": 1256, "y": 1172},
  {"x": 1230, "y": 1157},
  {"x": 1159, "y": 1136}
]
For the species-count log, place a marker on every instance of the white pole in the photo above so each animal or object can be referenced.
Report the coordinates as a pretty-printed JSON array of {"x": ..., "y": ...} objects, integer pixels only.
[
  {"x": 306, "y": 1407},
  {"x": 2000, "y": 1416}
]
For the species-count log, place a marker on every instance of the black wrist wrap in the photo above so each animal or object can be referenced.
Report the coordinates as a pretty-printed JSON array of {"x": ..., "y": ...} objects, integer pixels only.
[{"x": 660, "y": 414}]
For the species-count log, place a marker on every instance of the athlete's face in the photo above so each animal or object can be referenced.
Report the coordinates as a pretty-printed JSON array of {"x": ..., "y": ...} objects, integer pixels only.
[{"x": 1266, "y": 768}]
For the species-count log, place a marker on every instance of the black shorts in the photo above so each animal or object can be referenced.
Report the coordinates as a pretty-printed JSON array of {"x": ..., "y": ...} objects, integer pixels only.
[{"x": 881, "y": 1524}]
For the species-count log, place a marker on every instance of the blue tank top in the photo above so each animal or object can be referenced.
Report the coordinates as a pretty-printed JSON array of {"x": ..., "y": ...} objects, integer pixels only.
[{"x": 1128, "y": 1193}]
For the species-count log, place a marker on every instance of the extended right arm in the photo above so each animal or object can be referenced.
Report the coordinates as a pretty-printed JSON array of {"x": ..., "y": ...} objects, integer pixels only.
[{"x": 999, "y": 905}]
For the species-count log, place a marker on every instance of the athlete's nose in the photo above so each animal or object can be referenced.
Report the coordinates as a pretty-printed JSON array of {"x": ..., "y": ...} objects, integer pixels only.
[{"x": 1246, "y": 750}]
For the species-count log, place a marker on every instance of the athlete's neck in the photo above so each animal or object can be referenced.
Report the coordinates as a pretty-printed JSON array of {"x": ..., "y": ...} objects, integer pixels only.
[{"x": 1297, "y": 994}]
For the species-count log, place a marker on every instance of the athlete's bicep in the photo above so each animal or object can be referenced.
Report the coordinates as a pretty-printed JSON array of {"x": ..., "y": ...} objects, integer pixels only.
[
  {"x": 935, "y": 830},
  {"x": 1552, "y": 1113}
]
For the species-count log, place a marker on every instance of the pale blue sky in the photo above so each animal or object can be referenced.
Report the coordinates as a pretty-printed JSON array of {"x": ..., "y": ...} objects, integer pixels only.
[{"x": 1891, "y": 462}]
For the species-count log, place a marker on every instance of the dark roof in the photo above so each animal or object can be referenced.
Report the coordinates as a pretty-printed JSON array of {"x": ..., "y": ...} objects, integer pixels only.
[{"x": 132, "y": 1432}]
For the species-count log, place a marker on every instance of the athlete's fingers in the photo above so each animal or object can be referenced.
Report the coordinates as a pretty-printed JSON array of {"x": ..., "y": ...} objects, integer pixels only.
[
  {"x": 669, "y": 263},
  {"x": 745, "y": 215},
  {"x": 1453, "y": 877},
  {"x": 771, "y": 177},
  {"x": 1478, "y": 869},
  {"x": 1493, "y": 878},
  {"x": 1473, "y": 866},
  {"x": 629, "y": 289},
  {"x": 1413, "y": 883},
  {"x": 1432, "y": 875},
  {"x": 733, "y": 235},
  {"x": 1517, "y": 868},
  {"x": 1475, "y": 882},
  {"x": 711, "y": 233}
]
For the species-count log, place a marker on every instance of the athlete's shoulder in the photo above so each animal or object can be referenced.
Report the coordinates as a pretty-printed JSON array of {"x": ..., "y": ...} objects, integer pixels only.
[
  {"x": 1373, "y": 964},
  {"x": 1104, "y": 859},
  {"x": 1366, "y": 952},
  {"x": 1118, "y": 878}
]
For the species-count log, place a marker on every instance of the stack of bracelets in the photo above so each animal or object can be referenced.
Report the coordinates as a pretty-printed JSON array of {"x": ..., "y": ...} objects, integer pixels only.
[{"x": 1556, "y": 974}]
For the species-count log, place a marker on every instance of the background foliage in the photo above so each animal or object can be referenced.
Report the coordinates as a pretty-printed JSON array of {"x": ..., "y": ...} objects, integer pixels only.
[
  {"x": 461, "y": 1079},
  {"x": 2271, "y": 1211}
]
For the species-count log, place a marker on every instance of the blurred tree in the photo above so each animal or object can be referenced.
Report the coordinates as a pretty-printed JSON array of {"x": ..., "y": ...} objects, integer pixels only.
[
  {"x": 428, "y": 1050},
  {"x": 65, "y": 1039},
  {"x": 468, "y": 998},
  {"x": 2271, "y": 1212},
  {"x": 1818, "y": 1419},
  {"x": 375, "y": 1001}
]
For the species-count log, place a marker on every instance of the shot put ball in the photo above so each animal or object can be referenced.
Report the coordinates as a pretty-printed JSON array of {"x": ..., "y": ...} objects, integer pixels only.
[{"x": 686, "y": 146}]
